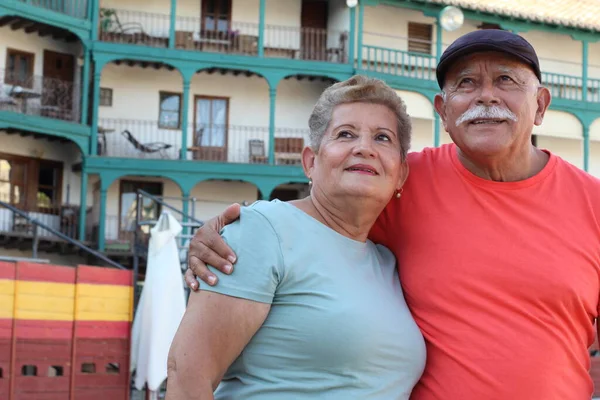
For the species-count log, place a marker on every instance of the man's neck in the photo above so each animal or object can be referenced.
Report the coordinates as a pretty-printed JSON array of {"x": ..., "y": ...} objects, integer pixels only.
[
  {"x": 352, "y": 219},
  {"x": 515, "y": 167}
]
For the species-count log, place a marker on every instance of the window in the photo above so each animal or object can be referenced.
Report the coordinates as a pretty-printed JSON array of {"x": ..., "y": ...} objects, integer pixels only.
[
  {"x": 106, "y": 97},
  {"x": 19, "y": 68},
  {"x": 170, "y": 110},
  {"x": 419, "y": 37},
  {"x": 30, "y": 184},
  {"x": 13, "y": 176},
  {"x": 216, "y": 15}
]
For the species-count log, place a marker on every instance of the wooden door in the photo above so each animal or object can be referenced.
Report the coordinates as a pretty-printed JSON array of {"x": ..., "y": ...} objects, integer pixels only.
[
  {"x": 313, "y": 38},
  {"x": 210, "y": 128},
  {"x": 57, "y": 83}
]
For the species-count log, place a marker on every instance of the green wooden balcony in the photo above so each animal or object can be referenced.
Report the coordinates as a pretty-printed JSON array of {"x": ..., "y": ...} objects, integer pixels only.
[
  {"x": 72, "y": 8},
  {"x": 231, "y": 144},
  {"x": 241, "y": 38}
]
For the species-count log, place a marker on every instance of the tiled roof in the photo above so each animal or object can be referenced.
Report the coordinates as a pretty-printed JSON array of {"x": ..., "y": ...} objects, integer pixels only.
[{"x": 583, "y": 14}]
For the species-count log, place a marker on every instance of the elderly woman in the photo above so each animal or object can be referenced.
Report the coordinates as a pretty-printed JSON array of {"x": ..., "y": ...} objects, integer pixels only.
[{"x": 314, "y": 309}]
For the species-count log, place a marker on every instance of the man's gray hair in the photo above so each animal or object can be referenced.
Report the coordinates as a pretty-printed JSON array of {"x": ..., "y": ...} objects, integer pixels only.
[{"x": 359, "y": 89}]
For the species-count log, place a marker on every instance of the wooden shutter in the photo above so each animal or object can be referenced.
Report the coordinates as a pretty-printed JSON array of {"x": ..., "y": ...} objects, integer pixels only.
[{"x": 419, "y": 37}]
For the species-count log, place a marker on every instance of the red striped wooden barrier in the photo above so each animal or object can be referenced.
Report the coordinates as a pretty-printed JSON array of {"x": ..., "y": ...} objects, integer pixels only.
[{"x": 64, "y": 332}]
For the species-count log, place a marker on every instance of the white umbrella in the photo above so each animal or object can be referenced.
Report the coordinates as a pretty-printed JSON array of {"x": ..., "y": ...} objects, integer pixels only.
[{"x": 161, "y": 306}]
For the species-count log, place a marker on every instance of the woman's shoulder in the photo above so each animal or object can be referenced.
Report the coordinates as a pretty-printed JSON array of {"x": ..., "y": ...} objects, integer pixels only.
[{"x": 260, "y": 217}]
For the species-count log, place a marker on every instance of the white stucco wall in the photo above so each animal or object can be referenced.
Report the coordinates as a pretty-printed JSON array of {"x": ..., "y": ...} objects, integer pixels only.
[
  {"x": 570, "y": 150},
  {"x": 559, "y": 124}
]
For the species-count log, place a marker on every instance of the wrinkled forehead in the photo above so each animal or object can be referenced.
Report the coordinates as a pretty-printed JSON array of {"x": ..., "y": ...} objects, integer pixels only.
[{"x": 489, "y": 62}]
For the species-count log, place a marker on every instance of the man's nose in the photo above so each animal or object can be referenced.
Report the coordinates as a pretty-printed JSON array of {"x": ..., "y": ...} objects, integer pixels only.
[{"x": 487, "y": 93}]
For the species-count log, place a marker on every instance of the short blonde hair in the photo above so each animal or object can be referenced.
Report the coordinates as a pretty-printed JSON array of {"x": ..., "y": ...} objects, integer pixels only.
[{"x": 358, "y": 89}]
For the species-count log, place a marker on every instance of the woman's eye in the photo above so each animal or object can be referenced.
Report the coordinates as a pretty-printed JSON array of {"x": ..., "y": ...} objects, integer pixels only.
[
  {"x": 345, "y": 134},
  {"x": 383, "y": 137}
]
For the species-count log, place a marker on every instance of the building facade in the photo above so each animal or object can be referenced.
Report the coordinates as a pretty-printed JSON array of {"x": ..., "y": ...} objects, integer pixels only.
[{"x": 206, "y": 102}]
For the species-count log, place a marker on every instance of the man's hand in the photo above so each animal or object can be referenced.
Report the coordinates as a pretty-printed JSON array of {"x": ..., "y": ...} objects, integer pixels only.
[{"x": 207, "y": 247}]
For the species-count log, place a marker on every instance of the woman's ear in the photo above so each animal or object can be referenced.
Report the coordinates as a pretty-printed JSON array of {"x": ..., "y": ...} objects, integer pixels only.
[
  {"x": 404, "y": 170},
  {"x": 308, "y": 160}
]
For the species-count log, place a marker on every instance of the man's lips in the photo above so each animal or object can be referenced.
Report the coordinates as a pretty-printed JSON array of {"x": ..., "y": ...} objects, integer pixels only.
[
  {"x": 487, "y": 121},
  {"x": 362, "y": 169}
]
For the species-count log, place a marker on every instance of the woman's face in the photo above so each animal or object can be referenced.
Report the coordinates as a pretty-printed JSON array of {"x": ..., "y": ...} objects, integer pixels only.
[{"x": 359, "y": 155}]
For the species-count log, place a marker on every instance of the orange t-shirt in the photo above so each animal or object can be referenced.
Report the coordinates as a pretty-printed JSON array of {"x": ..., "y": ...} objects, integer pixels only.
[{"x": 503, "y": 278}]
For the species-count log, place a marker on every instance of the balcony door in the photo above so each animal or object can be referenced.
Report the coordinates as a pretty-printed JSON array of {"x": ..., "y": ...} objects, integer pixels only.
[
  {"x": 313, "y": 20},
  {"x": 210, "y": 128},
  {"x": 57, "y": 86}
]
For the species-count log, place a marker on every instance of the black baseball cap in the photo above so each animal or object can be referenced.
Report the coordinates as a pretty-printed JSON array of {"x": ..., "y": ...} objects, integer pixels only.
[{"x": 488, "y": 40}]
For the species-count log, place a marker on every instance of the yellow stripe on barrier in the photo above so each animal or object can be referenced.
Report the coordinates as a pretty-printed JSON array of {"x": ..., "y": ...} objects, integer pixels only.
[
  {"x": 56, "y": 301},
  {"x": 7, "y": 298},
  {"x": 103, "y": 302},
  {"x": 44, "y": 300}
]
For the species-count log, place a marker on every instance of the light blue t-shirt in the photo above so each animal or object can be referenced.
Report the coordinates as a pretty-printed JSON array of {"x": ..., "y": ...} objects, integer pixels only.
[{"x": 338, "y": 327}]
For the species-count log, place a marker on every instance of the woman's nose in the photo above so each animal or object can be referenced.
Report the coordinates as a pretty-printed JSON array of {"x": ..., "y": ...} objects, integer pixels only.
[{"x": 364, "y": 147}]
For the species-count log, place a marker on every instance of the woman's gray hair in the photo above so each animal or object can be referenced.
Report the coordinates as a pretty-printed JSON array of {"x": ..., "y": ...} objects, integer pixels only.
[{"x": 358, "y": 89}]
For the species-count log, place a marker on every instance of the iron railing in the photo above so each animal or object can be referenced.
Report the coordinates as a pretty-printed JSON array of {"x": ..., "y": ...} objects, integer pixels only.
[
  {"x": 63, "y": 219},
  {"x": 73, "y": 8},
  {"x": 38, "y": 229},
  {"x": 39, "y": 95},
  {"x": 205, "y": 142},
  {"x": 134, "y": 27},
  {"x": 137, "y": 139},
  {"x": 399, "y": 62},
  {"x": 152, "y": 29}
]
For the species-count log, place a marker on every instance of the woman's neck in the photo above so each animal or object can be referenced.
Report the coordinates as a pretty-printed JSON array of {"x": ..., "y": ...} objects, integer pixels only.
[{"x": 352, "y": 218}]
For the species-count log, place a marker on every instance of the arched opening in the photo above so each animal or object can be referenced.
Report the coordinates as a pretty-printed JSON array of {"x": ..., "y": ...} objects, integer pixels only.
[
  {"x": 290, "y": 191},
  {"x": 561, "y": 133},
  {"x": 124, "y": 209},
  {"x": 42, "y": 75},
  {"x": 295, "y": 100},
  {"x": 140, "y": 110},
  {"x": 228, "y": 116},
  {"x": 39, "y": 177},
  {"x": 210, "y": 197}
]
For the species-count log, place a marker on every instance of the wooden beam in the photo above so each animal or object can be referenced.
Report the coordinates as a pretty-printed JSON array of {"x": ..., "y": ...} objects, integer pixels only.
[
  {"x": 21, "y": 23},
  {"x": 7, "y": 20}
]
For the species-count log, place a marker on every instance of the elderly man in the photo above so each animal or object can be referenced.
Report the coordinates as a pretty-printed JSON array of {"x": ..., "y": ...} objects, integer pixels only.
[{"x": 498, "y": 242}]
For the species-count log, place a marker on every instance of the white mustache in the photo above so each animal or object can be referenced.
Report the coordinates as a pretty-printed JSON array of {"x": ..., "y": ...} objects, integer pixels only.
[{"x": 486, "y": 112}]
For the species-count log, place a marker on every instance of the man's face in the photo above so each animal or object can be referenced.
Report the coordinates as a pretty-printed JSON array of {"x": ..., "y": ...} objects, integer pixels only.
[{"x": 491, "y": 104}]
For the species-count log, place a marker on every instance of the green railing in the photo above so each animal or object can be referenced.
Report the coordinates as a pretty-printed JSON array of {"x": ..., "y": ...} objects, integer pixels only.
[
  {"x": 398, "y": 62},
  {"x": 562, "y": 86},
  {"x": 593, "y": 94},
  {"x": 74, "y": 8}
]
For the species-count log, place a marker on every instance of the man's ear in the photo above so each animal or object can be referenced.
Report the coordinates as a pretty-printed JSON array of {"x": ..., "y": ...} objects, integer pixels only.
[
  {"x": 440, "y": 107},
  {"x": 543, "y": 101},
  {"x": 308, "y": 160}
]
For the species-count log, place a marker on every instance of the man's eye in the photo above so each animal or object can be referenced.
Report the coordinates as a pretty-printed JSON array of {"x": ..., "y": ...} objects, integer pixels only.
[
  {"x": 465, "y": 81},
  {"x": 506, "y": 78}
]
